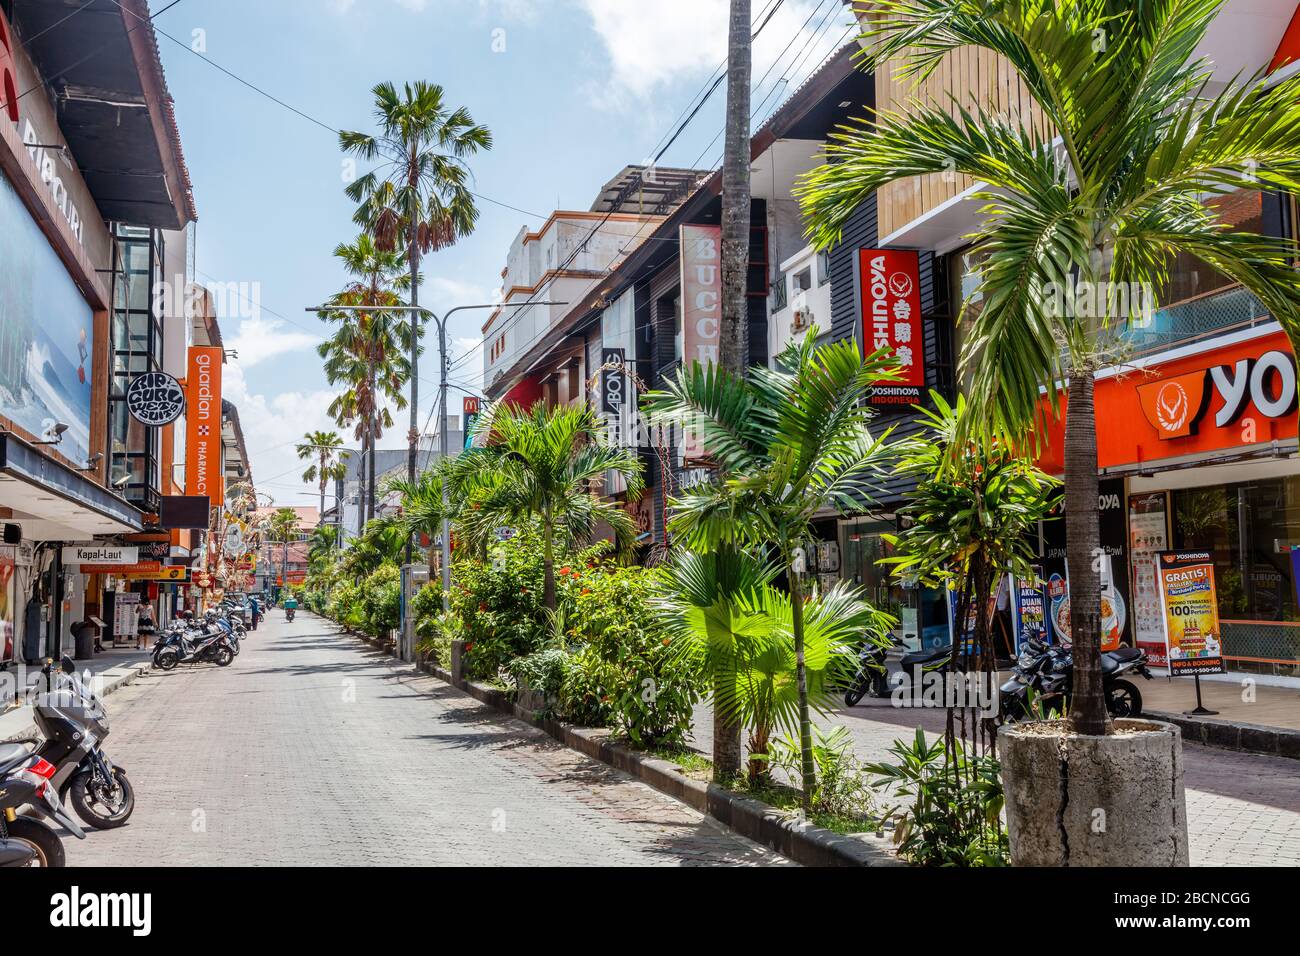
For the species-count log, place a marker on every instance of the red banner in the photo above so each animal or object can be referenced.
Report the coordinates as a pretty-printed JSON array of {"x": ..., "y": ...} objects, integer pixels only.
[
  {"x": 203, "y": 423},
  {"x": 891, "y": 319}
]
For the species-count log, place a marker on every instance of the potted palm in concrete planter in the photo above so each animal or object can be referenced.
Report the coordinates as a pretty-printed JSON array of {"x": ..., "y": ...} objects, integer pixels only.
[{"x": 1088, "y": 185}]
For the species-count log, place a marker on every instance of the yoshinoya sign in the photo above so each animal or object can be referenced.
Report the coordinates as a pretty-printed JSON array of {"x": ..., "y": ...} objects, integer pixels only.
[
  {"x": 891, "y": 320},
  {"x": 100, "y": 554},
  {"x": 155, "y": 399},
  {"x": 1177, "y": 406}
]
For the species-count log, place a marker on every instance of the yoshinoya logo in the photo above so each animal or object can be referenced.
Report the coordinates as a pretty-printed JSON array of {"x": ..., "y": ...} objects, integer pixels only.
[
  {"x": 1176, "y": 406},
  {"x": 900, "y": 284},
  {"x": 75, "y": 909}
]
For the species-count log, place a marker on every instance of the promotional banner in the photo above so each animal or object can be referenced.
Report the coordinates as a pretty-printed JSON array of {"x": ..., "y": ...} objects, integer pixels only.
[
  {"x": 8, "y": 565},
  {"x": 1030, "y": 597},
  {"x": 701, "y": 262},
  {"x": 891, "y": 319},
  {"x": 1148, "y": 531},
  {"x": 1191, "y": 613},
  {"x": 203, "y": 424},
  {"x": 469, "y": 411}
]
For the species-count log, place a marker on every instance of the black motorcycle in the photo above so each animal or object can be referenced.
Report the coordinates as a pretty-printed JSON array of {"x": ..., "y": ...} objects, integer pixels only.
[
  {"x": 207, "y": 645},
  {"x": 1045, "y": 673},
  {"x": 873, "y": 676},
  {"x": 74, "y": 724},
  {"x": 25, "y": 781}
]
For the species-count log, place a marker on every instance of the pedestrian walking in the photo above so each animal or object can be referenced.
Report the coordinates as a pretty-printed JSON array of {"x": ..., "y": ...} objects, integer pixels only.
[
  {"x": 145, "y": 627},
  {"x": 255, "y": 611}
]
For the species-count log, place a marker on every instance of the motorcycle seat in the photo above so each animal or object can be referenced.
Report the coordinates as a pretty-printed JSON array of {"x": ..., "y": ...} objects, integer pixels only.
[
  {"x": 12, "y": 753},
  {"x": 1124, "y": 654},
  {"x": 922, "y": 658}
]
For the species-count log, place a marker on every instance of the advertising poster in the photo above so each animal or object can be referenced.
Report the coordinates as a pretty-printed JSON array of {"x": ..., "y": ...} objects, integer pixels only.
[
  {"x": 1030, "y": 596},
  {"x": 203, "y": 424},
  {"x": 1116, "y": 627},
  {"x": 891, "y": 320},
  {"x": 1191, "y": 613},
  {"x": 126, "y": 609},
  {"x": 8, "y": 565},
  {"x": 1148, "y": 530}
]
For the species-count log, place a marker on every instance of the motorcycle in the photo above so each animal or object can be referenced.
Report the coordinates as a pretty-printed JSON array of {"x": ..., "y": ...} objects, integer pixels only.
[
  {"x": 1049, "y": 671},
  {"x": 205, "y": 645},
  {"x": 872, "y": 675},
  {"x": 74, "y": 724},
  {"x": 25, "y": 781},
  {"x": 288, "y": 614}
]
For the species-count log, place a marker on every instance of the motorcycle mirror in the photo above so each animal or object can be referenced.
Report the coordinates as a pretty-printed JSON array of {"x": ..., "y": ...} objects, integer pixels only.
[{"x": 68, "y": 666}]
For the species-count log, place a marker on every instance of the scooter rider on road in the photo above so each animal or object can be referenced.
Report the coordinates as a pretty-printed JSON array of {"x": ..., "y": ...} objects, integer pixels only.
[{"x": 290, "y": 605}]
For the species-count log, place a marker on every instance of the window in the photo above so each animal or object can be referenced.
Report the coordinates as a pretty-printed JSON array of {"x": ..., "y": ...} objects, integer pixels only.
[
  {"x": 823, "y": 267},
  {"x": 803, "y": 280},
  {"x": 779, "y": 293}
]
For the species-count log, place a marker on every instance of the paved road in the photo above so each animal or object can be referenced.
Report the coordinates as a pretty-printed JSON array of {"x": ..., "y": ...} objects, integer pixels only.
[
  {"x": 314, "y": 749},
  {"x": 1242, "y": 809}
]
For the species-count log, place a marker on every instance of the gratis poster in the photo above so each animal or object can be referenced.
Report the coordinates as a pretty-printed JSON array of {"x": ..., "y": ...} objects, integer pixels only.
[{"x": 1191, "y": 613}]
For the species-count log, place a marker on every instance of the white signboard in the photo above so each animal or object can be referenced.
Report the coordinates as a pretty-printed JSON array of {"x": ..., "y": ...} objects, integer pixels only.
[
  {"x": 126, "y": 609},
  {"x": 100, "y": 554}
]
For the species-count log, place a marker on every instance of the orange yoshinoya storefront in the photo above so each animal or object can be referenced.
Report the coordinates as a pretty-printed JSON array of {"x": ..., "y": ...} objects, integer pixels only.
[{"x": 1197, "y": 450}]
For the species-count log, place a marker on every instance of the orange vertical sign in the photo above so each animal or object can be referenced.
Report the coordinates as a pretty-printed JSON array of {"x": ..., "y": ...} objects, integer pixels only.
[{"x": 203, "y": 423}]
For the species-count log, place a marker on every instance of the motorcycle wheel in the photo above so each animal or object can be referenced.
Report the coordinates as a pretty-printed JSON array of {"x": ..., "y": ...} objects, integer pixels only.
[
  {"x": 166, "y": 660},
  {"x": 223, "y": 657},
  {"x": 1123, "y": 699},
  {"x": 856, "y": 692},
  {"x": 88, "y": 795},
  {"x": 41, "y": 839}
]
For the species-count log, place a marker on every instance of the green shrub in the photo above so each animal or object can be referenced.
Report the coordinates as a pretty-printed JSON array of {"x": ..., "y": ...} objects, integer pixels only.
[
  {"x": 620, "y": 674},
  {"x": 544, "y": 671},
  {"x": 381, "y": 600},
  {"x": 499, "y": 604}
]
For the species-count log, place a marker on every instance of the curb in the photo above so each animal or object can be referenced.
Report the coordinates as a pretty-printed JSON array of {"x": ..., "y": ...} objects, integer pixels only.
[
  {"x": 29, "y": 729},
  {"x": 799, "y": 841},
  {"x": 1228, "y": 735}
]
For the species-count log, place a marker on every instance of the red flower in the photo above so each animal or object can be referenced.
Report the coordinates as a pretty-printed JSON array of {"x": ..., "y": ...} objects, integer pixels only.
[
  {"x": 482, "y": 606},
  {"x": 586, "y": 590},
  {"x": 566, "y": 570},
  {"x": 667, "y": 641},
  {"x": 469, "y": 647}
]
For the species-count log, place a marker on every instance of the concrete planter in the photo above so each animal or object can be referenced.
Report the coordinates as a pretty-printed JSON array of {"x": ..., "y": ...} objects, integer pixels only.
[
  {"x": 1076, "y": 800},
  {"x": 532, "y": 700}
]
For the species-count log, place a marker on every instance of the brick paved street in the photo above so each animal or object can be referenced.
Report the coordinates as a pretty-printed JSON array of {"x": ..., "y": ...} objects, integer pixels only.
[
  {"x": 1242, "y": 809},
  {"x": 311, "y": 748}
]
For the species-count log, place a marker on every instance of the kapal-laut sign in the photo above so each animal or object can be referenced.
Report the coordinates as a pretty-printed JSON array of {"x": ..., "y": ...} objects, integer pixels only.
[
  {"x": 203, "y": 424},
  {"x": 1176, "y": 406}
]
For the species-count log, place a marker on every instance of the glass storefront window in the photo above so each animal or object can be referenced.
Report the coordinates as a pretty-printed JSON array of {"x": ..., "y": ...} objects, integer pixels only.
[
  {"x": 922, "y": 612},
  {"x": 1253, "y": 531}
]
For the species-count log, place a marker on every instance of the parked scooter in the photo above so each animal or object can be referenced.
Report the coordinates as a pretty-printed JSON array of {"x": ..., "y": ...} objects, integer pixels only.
[
  {"x": 25, "y": 781},
  {"x": 873, "y": 676},
  {"x": 74, "y": 723},
  {"x": 208, "y": 644},
  {"x": 1048, "y": 672}
]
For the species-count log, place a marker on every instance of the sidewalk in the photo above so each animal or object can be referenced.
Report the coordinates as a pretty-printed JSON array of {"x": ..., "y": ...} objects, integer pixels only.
[
  {"x": 109, "y": 670},
  {"x": 1240, "y": 701}
]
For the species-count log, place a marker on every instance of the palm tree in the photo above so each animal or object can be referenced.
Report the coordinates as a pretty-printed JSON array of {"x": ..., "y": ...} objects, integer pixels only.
[
  {"x": 365, "y": 354},
  {"x": 789, "y": 441},
  {"x": 543, "y": 464},
  {"x": 423, "y": 508},
  {"x": 1142, "y": 142},
  {"x": 422, "y": 202},
  {"x": 327, "y": 449}
]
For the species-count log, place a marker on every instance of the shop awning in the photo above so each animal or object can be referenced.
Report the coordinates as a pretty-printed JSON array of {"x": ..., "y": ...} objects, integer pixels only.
[{"x": 53, "y": 502}]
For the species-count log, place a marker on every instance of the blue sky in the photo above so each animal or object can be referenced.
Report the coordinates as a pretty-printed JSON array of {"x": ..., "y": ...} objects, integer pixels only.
[{"x": 581, "y": 88}]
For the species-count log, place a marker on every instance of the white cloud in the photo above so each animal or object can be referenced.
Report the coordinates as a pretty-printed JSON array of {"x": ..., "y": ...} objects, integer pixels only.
[
  {"x": 653, "y": 45},
  {"x": 260, "y": 339}
]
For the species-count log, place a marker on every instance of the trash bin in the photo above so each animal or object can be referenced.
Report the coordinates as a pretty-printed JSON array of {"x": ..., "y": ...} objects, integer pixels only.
[{"x": 84, "y": 640}]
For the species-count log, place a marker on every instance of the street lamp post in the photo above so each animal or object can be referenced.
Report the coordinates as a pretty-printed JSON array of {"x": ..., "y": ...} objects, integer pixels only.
[{"x": 442, "y": 402}]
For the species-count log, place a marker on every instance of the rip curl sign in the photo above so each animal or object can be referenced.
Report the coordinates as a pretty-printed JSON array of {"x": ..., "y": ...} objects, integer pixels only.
[
  {"x": 1176, "y": 407},
  {"x": 155, "y": 399}
]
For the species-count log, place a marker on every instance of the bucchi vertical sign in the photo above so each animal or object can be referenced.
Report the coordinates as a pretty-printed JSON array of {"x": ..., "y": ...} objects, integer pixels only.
[
  {"x": 891, "y": 319},
  {"x": 701, "y": 258},
  {"x": 203, "y": 424}
]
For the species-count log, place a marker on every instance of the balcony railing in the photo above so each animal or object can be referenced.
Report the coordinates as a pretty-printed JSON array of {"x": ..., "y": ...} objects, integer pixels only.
[{"x": 1202, "y": 317}]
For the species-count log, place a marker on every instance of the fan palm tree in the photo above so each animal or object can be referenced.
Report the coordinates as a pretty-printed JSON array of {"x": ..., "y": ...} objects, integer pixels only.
[
  {"x": 542, "y": 465},
  {"x": 732, "y": 626},
  {"x": 418, "y": 199},
  {"x": 330, "y": 465},
  {"x": 788, "y": 441},
  {"x": 366, "y": 352},
  {"x": 1107, "y": 188}
]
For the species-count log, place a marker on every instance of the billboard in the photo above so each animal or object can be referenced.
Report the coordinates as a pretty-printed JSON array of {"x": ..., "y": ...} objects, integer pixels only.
[
  {"x": 891, "y": 320},
  {"x": 203, "y": 424},
  {"x": 46, "y": 334}
]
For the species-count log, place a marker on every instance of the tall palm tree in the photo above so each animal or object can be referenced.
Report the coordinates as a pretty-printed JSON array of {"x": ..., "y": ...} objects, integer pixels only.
[
  {"x": 544, "y": 462},
  {"x": 1107, "y": 188},
  {"x": 366, "y": 352},
  {"x": 789, "y": 441},
  {"x": 418, "y": 198},
  {"x": 423, "y": 507},
  {"x": 330, "y": 464}
]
